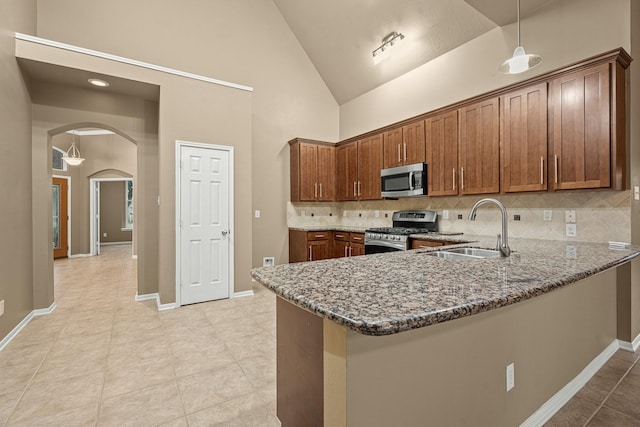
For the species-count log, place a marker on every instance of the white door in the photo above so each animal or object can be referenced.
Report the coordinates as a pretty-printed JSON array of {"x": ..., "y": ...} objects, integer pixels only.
[{"x": 204, "y": 222}]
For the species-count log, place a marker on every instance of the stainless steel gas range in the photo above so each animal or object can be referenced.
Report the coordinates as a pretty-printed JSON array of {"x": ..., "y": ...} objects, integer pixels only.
[{"x": 396, "y": 238}]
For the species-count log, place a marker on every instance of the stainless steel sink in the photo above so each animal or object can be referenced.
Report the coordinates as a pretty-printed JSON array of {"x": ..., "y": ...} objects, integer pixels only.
[{"x": 466, "y": 253}]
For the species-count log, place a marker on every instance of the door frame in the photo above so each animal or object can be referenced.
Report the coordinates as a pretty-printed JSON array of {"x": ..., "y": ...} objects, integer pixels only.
[
  {"x": 229, "y": 149},
  {"x": 68, "y": 178},
  {"x": 94, "y": 205}
]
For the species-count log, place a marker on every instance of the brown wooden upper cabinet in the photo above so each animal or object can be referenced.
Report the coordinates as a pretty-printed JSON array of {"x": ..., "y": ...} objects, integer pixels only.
[
  {"x": 442, "y": 154},
  {"x": 358, "y": 168},
  {"x": 479, "y": 148},
  {"x": 523, "y": 118},
  {"x": 581, "y": 131},
  {"x": 313, "y": 171},
  {"x": 404, "y": 145}
]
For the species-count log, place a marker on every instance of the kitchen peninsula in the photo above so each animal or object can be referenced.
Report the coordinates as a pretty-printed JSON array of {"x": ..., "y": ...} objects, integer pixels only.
[{"x": 410, "y": 339}]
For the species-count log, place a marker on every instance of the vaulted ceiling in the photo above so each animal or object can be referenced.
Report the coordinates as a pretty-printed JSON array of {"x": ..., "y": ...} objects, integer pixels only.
[{"x": 339, "y": 36}]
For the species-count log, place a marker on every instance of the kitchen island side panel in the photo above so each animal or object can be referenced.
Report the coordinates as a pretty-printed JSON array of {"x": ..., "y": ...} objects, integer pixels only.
[
  {"x": 453, "y": 373},
  {"x": 299, "y": 366}
]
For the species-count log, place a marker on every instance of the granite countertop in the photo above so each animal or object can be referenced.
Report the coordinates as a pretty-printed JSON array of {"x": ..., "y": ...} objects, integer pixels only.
[
  {"x": 387, "y": 293},
  {"x": 330, "y": 228}
]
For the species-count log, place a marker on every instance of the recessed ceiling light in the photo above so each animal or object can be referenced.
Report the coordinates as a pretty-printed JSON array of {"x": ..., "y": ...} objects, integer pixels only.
[{"x": 98, "y": 82}]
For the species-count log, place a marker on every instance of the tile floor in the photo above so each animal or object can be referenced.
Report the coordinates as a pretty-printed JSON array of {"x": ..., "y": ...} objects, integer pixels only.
[
  {"x": 103, "y": 359},
  {"x": 610, "y": 399}
]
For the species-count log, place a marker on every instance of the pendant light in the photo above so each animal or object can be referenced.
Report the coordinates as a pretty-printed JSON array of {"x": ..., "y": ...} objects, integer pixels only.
[
  {"x": 520, "y": 61},
  {"x": 72, "y": 157}
]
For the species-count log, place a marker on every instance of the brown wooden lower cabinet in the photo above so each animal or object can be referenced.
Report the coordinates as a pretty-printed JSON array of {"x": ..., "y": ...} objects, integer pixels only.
[
  {"x": 347, "y": 244},
  {"x": 309, "y": 245}
]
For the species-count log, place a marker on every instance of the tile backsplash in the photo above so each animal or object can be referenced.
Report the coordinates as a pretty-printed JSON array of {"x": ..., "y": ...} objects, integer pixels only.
[{"x": 601, "y": 216}]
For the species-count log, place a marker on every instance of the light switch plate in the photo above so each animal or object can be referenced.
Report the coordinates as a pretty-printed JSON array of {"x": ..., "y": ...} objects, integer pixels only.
[
  {"x": 445, "y": 214},
  {"x": 511, "y": 378},
  {"x": 257, "y": 213},
  {"x": 1, "y": 307},
  {"x": 636, "y": 192}
]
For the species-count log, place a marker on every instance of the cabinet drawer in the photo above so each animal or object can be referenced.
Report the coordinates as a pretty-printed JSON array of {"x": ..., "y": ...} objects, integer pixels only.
[
  {"x": 417, "y": 244},
  {"x": 318, "y": 235},
  {"x": 341, "y": 236},
  {"x": 357, "y": 238}
]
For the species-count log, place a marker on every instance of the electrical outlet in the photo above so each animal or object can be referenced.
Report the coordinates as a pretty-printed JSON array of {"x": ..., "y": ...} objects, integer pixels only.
[
  {"x": 547, "y": 215},
  {"x": 376, "y": 214},
  {"x": 511, "y": 376},
  {"x": 571, "y": 252},
  {"x": 1, "y": 307},
  {"x": 302, "y": 213},
  {"x": 459, "y": 216},
  {"x": 257, "y": 213},
  {"x": 571, "y": 230},
  {"x": 516, "y": 217},
  {"x": 570, "y": 217},
  {"x": 445, "y": 214},
  {"x": 268, "y": 261},
  {"x": 636, "y": 192},
  {"x": 344, "y": 213}
]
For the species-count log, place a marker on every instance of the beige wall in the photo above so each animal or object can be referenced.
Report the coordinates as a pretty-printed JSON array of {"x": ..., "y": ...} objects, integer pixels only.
[
  {"x": 112, "y": 212},
  {"x": 563, "y": 32},
  {"x": 16, "y": 279},
  {"x": 245, "y": 42},
  {"x": 634, "y": 154}
]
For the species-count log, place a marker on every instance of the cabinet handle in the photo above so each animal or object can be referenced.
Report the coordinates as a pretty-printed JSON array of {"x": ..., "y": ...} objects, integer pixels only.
[
  {"x": 359, "y": 193},
  {"x": 345, "y": 251},
  {"x": 461, "y": 178},
  {"x": 454, "y": 178},
  {"x": 321, "y": 190},
  {"x": 339, "y": 236},
  {"x": 310, "y": 253},
  {"x": 405, "y": 151},
  {"x": 350, "y": 251},
  {"x": 357, "y": 238},
  {"x": 315, "y": 189},
  {"x": 399, "y": 153},
  {"x": 541, "y": 170},
  {"x": 555, "y": 167},
  {"x": 354, "y": 189}
]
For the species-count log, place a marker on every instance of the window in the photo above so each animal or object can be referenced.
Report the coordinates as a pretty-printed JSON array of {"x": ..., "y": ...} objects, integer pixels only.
[
  {"x": 56, "y": 159},
  {"x": 128, "y": 204}
]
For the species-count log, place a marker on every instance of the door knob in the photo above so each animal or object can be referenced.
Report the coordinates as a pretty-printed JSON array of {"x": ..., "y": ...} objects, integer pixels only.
[{"x": 225, "y": 232}]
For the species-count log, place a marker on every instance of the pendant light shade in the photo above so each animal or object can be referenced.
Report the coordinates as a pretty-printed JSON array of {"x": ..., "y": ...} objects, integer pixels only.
[
  {"x": 520, "y": 61},
  {"x": 72, "y": 157}
]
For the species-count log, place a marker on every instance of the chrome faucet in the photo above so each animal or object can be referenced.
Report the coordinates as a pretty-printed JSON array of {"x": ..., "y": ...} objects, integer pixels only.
[{"x": 503, "y": 239}]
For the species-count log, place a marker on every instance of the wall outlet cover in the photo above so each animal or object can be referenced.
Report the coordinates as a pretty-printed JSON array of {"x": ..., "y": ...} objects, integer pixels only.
[
  {"x": 511, "y": 376},
  {"x": 268, "y": 261},
  {"x": 572, "y": 230},
  {"x": 257, "y": 213},
  {"x": 1, "y": 307},
  {"x": 445, "y": 214},
  {"x": 547, "y": 215},
  {"x": 570, "y": 217}
]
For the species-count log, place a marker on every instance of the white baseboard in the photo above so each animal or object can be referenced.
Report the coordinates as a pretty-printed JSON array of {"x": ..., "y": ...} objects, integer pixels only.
[
  {"x": 80, "y": 255},
  {"x": 630, "y": 346},
  {"x": 24, "y": 322},
  {"x": 242, "y": 294},
  {"x": 155, "y": 296},
  {"x": 558, "y": 400},
  {"x": 115, "y": 243}
]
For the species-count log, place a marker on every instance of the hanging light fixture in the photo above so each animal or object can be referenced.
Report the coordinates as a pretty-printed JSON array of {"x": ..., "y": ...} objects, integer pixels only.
[
  {"x": 520, "y": 61},
  {"x": 382, "y": 51},
  {"x": 72, "y": 157}
]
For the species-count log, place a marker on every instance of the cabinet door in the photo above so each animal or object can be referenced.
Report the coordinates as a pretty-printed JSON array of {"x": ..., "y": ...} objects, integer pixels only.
[
  {"x": 442, "y": 154},
  {"x": 369, "y": 166},
  {"x": 346, "y": 168},
  {"x": 326, "y": 173},
  {"x": 413, "y": 145},
  {"x": 340, "y": 249},
  {"x": 524, "y": 139},
  {"x": 308, "y": 172},
  {"x": 319, "y": 249},
  {"x": 357, "y": 249},
  {"x": 479, "y": 148},
  {"x": 417, "y": 243},
  {"x": 393, "y": 148},
  {"x": 581, "y": 129}
]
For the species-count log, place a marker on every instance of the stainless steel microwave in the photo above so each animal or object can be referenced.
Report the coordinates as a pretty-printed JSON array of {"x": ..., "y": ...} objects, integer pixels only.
[{"x": 404, "y": 181}]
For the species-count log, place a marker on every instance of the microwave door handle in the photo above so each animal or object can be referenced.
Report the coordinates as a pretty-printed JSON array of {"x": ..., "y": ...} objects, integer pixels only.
[{"x": 412, "y": 180}]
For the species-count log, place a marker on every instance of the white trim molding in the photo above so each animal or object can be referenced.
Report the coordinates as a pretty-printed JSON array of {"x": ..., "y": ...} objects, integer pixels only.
[
  {"x": 129, "y": 61},
  {"x": 80, "y": 255},
  {"x": 558, "y": 400},
  {"x": 242, "y": 294},
  {"x": 156, "y": 296},
  {"x": 24, "y": 322},
  {"x": 632, "y": 346}
]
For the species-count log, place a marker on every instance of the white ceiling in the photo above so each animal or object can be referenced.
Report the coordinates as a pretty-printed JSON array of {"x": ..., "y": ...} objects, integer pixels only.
[{"x": 340, "y": 35}]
